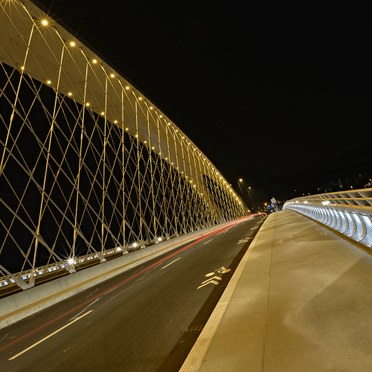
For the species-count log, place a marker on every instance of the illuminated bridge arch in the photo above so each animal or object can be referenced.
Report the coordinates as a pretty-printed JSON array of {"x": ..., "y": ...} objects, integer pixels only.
[{"x": 88, "y": 163}]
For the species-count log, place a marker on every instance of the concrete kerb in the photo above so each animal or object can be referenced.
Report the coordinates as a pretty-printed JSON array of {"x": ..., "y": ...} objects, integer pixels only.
[
  {"x": 23, "y": 304},
  {"x": 195, "y": 358}
]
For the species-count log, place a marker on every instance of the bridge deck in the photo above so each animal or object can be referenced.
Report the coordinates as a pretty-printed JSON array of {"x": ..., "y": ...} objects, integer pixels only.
[{"x": 300, "y": 300}]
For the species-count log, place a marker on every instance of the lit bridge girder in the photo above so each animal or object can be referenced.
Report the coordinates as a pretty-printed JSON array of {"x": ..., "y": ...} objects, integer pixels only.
[{"x": 89, "y": 166}]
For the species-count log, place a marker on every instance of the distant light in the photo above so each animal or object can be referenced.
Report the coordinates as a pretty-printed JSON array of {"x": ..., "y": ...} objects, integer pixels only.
[
  {"x": 115, "y": 121},
  {"x": 49, "y": 82},
  {"x": 112, "y": 75},
  {"x": 69, "y": 94},
  {"x": 94, "y": 61},
  {"x": 71, "y": 261},
  {"x": 72, "y": 43},
  {"x": 140, "y": 98},
  {"x": 240, "y": 179},
  {"x": 44, "y": 22},
  {"x": 87, "y": 104},
  {"x": 127, "y": 87},
  {"x": 103, "y": 113}
]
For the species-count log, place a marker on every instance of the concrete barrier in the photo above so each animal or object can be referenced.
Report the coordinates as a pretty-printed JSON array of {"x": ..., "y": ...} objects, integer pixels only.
[{"x": 23, "y": 304}]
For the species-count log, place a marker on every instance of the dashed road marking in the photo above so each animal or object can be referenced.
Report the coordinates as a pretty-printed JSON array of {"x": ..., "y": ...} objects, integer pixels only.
[
  {"x": 50, "y": 335},
  {"x": 170, "y": 263}
]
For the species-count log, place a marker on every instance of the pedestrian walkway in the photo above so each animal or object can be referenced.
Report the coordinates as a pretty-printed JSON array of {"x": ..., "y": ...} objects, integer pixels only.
[{"x": 300, "y": 300}]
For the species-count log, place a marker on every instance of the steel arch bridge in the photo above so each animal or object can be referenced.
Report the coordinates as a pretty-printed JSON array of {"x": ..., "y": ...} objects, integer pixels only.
[{"x": 89, "y": 166}]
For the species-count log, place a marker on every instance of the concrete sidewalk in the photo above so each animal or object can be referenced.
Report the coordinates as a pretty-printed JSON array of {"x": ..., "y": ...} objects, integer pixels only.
[{"x": 300, "y": 300}]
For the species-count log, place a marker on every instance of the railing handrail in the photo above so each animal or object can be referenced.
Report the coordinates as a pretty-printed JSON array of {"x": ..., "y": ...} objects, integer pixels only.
[{"x": 348, "y": 212}]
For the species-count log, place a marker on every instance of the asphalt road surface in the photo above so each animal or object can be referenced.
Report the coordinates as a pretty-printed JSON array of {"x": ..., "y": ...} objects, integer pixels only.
[{"x": 146, "y": 319}]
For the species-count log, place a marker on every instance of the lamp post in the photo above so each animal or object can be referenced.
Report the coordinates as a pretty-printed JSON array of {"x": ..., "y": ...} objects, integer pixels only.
[
  {"x": 250, "y": 197},
  {"x": 241, "y": 190},
  {"x": 240, "y": 181}
]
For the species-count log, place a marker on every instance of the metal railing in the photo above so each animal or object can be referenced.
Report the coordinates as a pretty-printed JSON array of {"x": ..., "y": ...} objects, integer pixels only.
[{"x": 348, "y": 212}]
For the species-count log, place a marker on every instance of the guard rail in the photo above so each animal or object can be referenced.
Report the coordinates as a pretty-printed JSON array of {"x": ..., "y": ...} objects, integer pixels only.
[{"x": 348, "y": 212}]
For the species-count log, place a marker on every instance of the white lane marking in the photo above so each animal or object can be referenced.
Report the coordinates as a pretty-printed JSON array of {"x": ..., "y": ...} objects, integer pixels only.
[
  {"x": 170, "y": 263},
  {"x": 215, "y": 277},
  {"x": 208, "y": 241},
  {"x": 52, "y": 334},
  {"x": 223, "y": 270},
  {"x": 75, "y": 316},
  {"x": 210, "y": 281},
  {"x": 244, "y": 240}
]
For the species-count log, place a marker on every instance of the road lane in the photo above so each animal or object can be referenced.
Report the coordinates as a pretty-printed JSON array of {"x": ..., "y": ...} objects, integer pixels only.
[{"x": 146, "y": 319}]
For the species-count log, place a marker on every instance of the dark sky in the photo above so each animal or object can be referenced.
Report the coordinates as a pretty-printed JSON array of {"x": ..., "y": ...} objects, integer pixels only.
[{"x": 278, "y": 93}]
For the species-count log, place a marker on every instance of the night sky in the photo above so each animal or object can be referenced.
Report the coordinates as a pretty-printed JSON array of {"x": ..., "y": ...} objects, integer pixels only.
[{"x": 276, "y": 93}]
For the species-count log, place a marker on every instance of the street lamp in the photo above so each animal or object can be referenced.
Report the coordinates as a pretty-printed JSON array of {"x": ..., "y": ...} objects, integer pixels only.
[
  {"x": 241, "y": 190},
  {"x": 240, "y": 181},
  {"x": 250, "y": 197}
]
